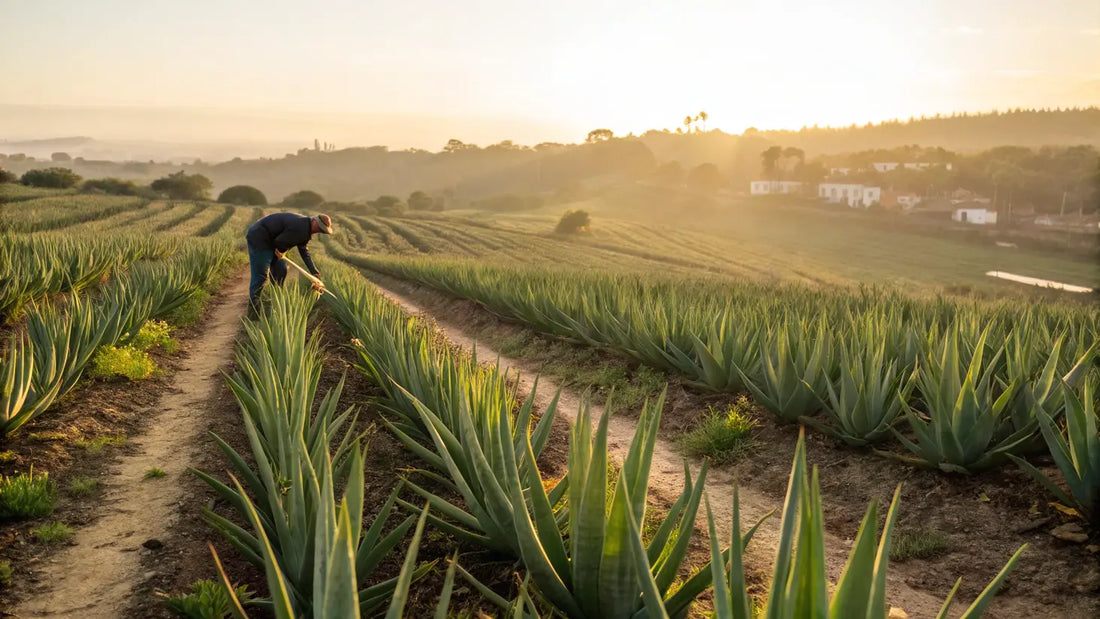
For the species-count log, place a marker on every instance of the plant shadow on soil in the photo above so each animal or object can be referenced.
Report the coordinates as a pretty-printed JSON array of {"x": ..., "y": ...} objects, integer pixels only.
[{"x": 983, "y": 517}]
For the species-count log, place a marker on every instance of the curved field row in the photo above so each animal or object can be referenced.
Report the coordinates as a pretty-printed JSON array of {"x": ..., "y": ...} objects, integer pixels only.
[{"x": 53, "y": 213}]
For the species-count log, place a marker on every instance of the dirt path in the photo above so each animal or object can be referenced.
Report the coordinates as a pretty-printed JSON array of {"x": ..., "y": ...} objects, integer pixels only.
[
  {"x": 666, "y": 480},
  {"x": 95, "y": 576}
]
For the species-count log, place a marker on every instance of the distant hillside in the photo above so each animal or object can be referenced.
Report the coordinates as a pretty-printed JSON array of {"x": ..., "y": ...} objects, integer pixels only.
[
  {"x": 466, "y": 172},
  {"x": 958, "y": 132},
  {"x": 32, "y": 145}
]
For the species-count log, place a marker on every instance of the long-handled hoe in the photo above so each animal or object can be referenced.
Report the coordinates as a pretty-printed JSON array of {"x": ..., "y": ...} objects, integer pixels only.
[{"x": 309, "y": 276}]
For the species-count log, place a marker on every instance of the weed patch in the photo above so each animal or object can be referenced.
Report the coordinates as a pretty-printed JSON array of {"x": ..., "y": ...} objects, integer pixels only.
[
  {"x": 99, "y": 443},
  {"x": 52, "y": 533},
  {"x": 721, "y": 436},
  {"x": 919, "y": 544},
  {"x": 155, "y": 334},
  {"x": 207, "y": 600},
  {"x": 26, "y": 496},
  {"x": 111, "y": 361},
  {"x": 83, "y": 486}
]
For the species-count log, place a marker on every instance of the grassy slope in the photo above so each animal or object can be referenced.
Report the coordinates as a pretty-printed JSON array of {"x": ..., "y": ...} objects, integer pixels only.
[{"x": 791, "y": 242}]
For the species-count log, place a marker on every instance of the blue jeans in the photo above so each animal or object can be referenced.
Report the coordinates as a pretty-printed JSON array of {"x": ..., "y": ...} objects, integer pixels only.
[{"x": 262, "y": 261}]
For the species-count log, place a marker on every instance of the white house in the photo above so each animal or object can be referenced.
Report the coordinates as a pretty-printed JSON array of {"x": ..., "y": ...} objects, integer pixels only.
[
  {"x": 908, "y": 200},
  {"x": 766, "y": 188},
  {"x": 978, "y": 216},
  {"x": 918, "y": 165},
  {"x": 851, "y": 194},
  {"x": 839, "y": 171}
]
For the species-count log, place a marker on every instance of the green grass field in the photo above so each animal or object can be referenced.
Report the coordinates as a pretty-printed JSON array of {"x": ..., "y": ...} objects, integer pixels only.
[{"x": 762, "y": 241}]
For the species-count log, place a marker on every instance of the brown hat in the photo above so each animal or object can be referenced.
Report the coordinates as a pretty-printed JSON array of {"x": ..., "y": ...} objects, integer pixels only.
[{"x": 324, "y": 222}]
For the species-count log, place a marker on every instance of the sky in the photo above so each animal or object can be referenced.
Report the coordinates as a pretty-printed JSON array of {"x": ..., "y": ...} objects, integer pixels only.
[{"x": 417, "y": 72}]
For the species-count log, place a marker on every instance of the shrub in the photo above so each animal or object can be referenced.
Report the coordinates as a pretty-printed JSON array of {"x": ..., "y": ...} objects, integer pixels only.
[
  {"x": 387, "y": 206},
  {"x": 155, "y": 334},
  {"x": 60, "y": 157},
  {"x": 183, "y": 186},
  {"x": 245, "y": 195},
  {"x": 155, "y": 473},
  {"x": 420, "y": 201},
  {"x": 110, "y": 186},
  {"x": 207, "y": 600},
  {"x": 26, "y": 496},
  {"x": 7, "y": 177},
  {"x": 304, "y": 199},
  {"x": 573, "y": 222},
  {"x": 52, "y": 533},
  {"x": 189, "y": 313},
  {"x": 53, "y": 178},
  {"x": 721, "y": 436},
  {"x": 111, "y": 361}
]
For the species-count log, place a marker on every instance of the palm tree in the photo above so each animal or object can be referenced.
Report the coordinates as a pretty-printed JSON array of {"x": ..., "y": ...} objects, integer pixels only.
[
  {"x": 687, "y": 123},
  {"x": 703, "y": 117}
]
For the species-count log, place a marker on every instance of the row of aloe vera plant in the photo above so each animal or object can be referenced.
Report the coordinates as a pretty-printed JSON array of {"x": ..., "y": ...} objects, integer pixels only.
[
  {"x": 584, "y": 554},
  {"x": 313, "y": 544},
  {"x": 47, "y": 359},
  {"x": 33, "y": 267},
  {"x": 963, "y": 385},
  {"x": 56, "y": 212}
]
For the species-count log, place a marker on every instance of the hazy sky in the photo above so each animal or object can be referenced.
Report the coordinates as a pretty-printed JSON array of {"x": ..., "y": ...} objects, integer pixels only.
[{"x": 414, "y": 72}]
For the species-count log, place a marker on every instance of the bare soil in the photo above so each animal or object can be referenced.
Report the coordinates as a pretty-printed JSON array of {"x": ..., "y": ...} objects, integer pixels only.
[{"x": 985, "y": 517}]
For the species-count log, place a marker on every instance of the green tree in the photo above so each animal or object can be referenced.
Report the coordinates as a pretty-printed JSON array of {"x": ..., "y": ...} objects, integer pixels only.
[
  {"x": 769, "y": 159},
  {"x": 420, "y": 201},
  {"x": 388, "y": 206},
  {"x": 454, "y": 146},
  {"x": 7, "y": 177},
  {"x": 245, "y": 195},
  {"x": 706, "y": 177},
  {"x": 54, "y": 178},
  {"x": 60, "y": 157},
  {"x": 183, "y": 186},
  {"x": 703, "y": 118},
  {"x": 573, "y": 222},
  {"x": 304, "y": 199},
  {"x": 687, "y": 123},
  {"x": 599, "y": 135}
]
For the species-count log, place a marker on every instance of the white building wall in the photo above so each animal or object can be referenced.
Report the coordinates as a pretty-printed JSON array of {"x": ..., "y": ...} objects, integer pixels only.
[
  {"x": 851, "y": 194},
  {"x": 764, "y": 188},
  {"x": 979, "y": 216}
]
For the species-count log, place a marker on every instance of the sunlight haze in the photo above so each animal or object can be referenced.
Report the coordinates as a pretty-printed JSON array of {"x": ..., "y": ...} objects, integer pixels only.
[{"x": 419, "y": 72}]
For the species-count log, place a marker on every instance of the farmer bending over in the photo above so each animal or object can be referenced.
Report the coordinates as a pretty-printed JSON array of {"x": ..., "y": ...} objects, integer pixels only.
[{"x": 271, "y": 237}]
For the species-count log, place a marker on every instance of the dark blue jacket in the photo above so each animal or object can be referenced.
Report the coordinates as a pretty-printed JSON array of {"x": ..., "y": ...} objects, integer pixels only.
[{"x": 282, "y": 231}]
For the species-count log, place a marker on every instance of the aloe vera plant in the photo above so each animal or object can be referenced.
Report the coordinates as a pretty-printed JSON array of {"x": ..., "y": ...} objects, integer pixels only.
[
  {"x": 793, "y": 371},
  {"x": 20, "y": 399},
  {"x": 1076, "y": 452},
  {"x": 799, "y": 585},
  {"x": 312, "y": 546},
  {"x": 963, "y": 429},
  {"x": 599, "y": 568},
  {"x": 866, "y": 399}
]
